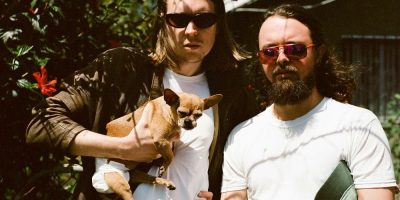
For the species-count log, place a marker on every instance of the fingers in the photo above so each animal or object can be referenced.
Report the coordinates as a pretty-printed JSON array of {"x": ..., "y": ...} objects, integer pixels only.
[
  {"x": 146, "y": 115},
  {"x": 205, "y": 194},
  {"x": 140, "y": 130},
  {"x": 143, "y": 149}
]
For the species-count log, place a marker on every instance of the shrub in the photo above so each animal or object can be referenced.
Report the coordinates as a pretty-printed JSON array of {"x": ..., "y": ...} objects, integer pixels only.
[
  {"x": 391, "y": 124},
  {"x": 62, "y": 36}
]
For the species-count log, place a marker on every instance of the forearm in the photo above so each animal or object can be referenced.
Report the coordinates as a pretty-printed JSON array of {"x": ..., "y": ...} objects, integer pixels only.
[
  {"x": 138, "y": 145},
  {"x": 52, "y": 126},
  {"x": 88, "y": 143},
  {"x": 234, "y": 195},
  {"x": 376, "y": 193}
]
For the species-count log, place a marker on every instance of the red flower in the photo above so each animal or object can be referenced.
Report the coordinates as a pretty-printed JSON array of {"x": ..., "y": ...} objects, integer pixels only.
[
  {"x": 46, "y": 87},
  {"x": 33, "y": 11}
]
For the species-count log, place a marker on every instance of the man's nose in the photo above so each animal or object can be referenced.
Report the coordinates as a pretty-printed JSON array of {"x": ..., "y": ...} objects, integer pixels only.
[
  {"x": 282, "y": 58},
  {"x": 191, "y": 29}
]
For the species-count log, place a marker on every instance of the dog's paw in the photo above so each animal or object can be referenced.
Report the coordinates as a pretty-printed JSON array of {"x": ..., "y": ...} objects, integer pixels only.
[
  {"x": 167, "y": 183},
  {"x": 171, "y": 187},
  {"x": 162, "y": 171}
]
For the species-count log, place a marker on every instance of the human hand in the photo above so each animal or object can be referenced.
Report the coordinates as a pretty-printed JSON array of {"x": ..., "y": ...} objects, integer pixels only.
[
  {"x": 205, "y": 195},
  {"x": 139, "y": 144}
]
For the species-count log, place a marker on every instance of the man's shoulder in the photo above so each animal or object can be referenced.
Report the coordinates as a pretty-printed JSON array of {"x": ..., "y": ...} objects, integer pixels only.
[
  {"x": 348, "y": 108},
  {"x": 124, "y": 58},
  {"x": 124, "y": 53}
]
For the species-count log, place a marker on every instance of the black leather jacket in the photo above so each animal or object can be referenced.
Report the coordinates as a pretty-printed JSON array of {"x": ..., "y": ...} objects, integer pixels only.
[{"x": 116, "y": 83}]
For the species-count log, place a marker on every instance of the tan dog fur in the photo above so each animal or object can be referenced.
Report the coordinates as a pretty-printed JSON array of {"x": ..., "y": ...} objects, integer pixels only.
[{"x": 170, "y": 113}]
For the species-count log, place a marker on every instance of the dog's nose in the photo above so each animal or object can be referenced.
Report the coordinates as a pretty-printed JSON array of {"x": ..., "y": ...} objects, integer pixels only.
[{"x": 188, "y": 124}]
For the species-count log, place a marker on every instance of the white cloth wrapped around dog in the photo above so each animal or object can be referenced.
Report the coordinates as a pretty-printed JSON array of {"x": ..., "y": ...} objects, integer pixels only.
[{"x": 103, "y": 166}]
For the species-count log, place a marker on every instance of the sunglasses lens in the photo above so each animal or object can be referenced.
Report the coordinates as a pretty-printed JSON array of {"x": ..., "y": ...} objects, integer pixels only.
[
  {"x": 181, "y": 20},
  {"x": 178, "y": 20},
  {"x": 205, "y": 20},
  {"x": 292, "y": 51},
  {"x": 267, "y": 55},
  {"x": 295, "y": 51},
  {"x": 271, "y": 52}
]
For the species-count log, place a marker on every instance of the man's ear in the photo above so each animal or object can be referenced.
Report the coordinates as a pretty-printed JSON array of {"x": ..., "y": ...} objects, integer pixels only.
[
  {"x": 212, "y": 100},
  {"x": 171, "y": 97}
]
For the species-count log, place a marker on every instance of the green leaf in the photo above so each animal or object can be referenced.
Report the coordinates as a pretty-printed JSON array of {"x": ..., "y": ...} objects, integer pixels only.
[
  {"x": 14, "y": 64},
  {"x": 23, "y": 83},
  {"x": 41, "y": 61},
  {"x": 13, "y": 18},
  {"x": 58, "y": 10},
  {"x": 23, "y": 49},
  {"x": 33, "y": 3},
  {"x": 10, "y": 35},
  {"x": 48, "y": 50},
  {"x": 36, "y": 26}
]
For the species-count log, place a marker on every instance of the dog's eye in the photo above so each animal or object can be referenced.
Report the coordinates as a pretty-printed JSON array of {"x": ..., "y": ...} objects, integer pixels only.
[
  {"x": 182, "y": 114},
  {"x": 197, "y": 115}
]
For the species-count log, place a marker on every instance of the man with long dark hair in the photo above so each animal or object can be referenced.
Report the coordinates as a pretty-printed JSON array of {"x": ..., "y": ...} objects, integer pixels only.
[{"x": 289, "y": 150}]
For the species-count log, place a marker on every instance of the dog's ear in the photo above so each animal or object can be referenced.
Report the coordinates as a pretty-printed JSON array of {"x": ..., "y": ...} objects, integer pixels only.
[
  {"x": 212, "y": 100},
  {"x": 171, "y": 97}
]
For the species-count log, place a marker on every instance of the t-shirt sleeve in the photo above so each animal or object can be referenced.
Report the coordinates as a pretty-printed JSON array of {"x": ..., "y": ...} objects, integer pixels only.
[
  {"x": 233, "y": 177},
  {"x": 370, "y": 157}
]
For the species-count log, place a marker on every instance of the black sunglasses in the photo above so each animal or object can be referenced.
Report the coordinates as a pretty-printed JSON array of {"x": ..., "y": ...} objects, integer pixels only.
[
  {"x": 181, "y": 20},
  {"x": 292, "y": 51}
]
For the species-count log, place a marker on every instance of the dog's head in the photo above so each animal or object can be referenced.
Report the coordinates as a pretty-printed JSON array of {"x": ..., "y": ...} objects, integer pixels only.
[{"x": 189, "y": 107}]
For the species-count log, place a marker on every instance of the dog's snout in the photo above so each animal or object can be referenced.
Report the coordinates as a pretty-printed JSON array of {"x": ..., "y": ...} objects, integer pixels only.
[{"x": 188, "y": 124}]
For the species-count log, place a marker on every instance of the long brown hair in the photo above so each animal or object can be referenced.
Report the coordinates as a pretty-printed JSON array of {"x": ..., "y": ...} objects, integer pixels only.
[
  {"x": 333, "y": 78},
  {"x": 224, "y": 54}
]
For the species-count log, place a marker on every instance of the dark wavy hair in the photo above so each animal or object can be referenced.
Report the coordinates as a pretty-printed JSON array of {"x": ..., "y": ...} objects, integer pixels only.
[
  {"x": 224, "y": 54},
  {"x": 333, "y": 78}
]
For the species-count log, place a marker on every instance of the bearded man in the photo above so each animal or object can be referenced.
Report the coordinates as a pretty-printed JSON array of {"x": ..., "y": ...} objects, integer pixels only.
[{"x": 290, "y": 150}]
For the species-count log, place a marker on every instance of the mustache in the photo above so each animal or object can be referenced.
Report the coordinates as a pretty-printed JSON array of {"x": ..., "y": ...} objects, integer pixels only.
[{"x": 284, "y": 69}]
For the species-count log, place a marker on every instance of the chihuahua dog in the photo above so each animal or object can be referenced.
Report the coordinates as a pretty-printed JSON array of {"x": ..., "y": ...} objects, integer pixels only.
[{"x": 171, "y": 112}]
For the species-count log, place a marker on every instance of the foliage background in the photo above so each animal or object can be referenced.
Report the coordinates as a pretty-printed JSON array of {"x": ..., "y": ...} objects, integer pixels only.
[
  {"x": 391, "y": 124},
  {"x": 64, "y": 36}
]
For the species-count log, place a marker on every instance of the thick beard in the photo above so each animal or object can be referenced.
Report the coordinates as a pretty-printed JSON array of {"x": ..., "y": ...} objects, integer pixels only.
[{"x": 289, "y": 91}]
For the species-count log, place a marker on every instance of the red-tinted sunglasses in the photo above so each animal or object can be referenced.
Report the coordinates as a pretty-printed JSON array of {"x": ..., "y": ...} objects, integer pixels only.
[
  {"x": 181, "y": 20},
  {"x": 292, "y": 51}
]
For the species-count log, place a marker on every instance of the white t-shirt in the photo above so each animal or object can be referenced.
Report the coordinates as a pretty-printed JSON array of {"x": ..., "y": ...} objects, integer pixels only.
[
  {"x": 276, "y": 159},
  {"x": 189, "y": 168}
]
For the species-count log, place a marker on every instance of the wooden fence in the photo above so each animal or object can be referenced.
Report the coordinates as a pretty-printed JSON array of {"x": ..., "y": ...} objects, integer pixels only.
[{"x": 379, "y": 57}]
